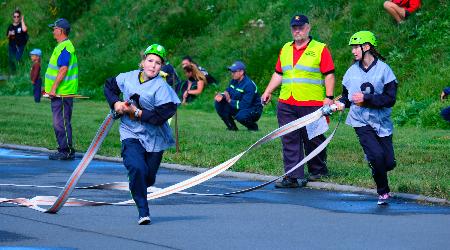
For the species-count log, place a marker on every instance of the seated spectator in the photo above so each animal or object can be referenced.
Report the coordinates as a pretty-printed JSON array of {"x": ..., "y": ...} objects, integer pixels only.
[
  {"x": 194, "y": 84},
  {"x": 169, "y": 74},
  {"x": 445, "y": 113},
  {"x": 401, "y": 9},
  {"x": 188, "y": 60},
  {"x": 240, "y": 100}
]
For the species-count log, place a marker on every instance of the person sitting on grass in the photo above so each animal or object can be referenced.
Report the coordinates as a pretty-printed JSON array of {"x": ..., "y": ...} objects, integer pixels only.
[
  {"x": 187, "y": 60},
  {"x": 400, "y": 10},
  {"x": 445, "y": 113},
  {"x": 144, "y": 131},
  {"x": 194, "y": 84},
  {"x": 239, "y": 101}
]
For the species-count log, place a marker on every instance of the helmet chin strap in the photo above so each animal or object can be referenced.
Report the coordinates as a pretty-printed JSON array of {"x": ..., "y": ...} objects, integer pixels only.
[{"x": 363, "y": 52}]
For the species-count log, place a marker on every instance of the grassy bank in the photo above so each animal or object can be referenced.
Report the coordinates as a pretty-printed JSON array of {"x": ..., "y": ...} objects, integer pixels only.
[
  {"x": 422, "y": 154},
  {"x": 108, "y": 38}
]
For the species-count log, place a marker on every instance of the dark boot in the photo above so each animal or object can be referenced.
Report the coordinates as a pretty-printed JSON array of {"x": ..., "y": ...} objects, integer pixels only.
[
  {"x": 229, "y": 122},
  {"x": 60, "y": 156},
  {"x": 288, "y": 182},
  {"x": 252, "y": 126}
]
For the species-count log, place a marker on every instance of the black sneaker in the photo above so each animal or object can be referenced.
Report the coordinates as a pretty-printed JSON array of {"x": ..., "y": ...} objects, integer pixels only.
[
  {"x": 61, "y": 156},
  {"x": 316, "y": 177},
  {"x": 383, "y": 199},
  {"x": 72, "y": 155},
  {"x": 288, "y": 182},
  {"x": 72, "y": 152}
]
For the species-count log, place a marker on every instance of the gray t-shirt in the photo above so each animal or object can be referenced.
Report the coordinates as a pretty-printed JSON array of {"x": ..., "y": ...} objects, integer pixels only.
[
  {"x": 152, "y": 93},
  {"x": 370, "y": 82}
]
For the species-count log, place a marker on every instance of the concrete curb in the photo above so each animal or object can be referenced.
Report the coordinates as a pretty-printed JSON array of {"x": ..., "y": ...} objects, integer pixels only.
[{"x": 251, "y": 176}]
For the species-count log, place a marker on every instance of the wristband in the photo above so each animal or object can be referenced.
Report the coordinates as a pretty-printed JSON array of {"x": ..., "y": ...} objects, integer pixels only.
[{"x": 331, "y": 97}]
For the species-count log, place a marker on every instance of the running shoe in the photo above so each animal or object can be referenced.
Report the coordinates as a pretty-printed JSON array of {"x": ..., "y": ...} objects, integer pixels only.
[
  {"x": 144, "y": 220},
  {"x": 383, "y": 199}
]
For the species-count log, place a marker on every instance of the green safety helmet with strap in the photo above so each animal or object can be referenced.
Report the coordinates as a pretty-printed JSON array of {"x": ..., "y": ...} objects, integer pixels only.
[
  {"x": 157, "y": 50},
  {"x": 362, "y": 37}
]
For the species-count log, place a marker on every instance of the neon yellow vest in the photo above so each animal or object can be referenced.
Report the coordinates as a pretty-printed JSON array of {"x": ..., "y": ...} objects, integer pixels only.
[
  {"x": 69, "y": 85},
  {"x": 303, "y": 81}
]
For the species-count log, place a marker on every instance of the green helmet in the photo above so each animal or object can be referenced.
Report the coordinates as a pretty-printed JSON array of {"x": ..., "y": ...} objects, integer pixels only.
[
  {"x": 362, "y": 37},
  {"x": 157, "y": 50}
]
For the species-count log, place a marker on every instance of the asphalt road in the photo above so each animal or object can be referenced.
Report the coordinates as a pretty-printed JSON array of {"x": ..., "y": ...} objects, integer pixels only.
[{"x": 264, "y": 219}]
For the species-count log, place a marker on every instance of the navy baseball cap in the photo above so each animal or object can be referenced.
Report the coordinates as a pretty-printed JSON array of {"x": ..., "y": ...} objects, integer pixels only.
[
  {"x": 61, "y": 23},
  {"x": 299, "y": 20},
  {"x": 238, "y": 65}
]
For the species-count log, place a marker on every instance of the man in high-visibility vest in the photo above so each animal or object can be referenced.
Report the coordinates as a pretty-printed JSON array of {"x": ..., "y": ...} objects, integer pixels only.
[
  {"x": 305, "y": 71},
  {"x": 61, "y": 79}
]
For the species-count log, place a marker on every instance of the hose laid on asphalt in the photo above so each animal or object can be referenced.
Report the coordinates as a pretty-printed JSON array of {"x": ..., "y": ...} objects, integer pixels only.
[
  {"x": 63, "y": 199},
  {"x": 58, "y": 203}
]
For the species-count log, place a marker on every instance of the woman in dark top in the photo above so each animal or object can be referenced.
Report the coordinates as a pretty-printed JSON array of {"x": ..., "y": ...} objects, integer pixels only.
[
  {"x": 18, "y": 37},
  {"x": 195, "y": 83}
]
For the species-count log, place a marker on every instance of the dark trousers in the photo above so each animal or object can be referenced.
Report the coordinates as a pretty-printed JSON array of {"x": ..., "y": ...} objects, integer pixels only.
[
  {"x": 15, "y": 54},
  {"x": 296, "y": 144},
  {"x": 142, "y": 167},
  {"x": 380, "y": 154},
  {"x": 445, "y": 113},
  {"x": 62, "y": 116},
  {"x": 37, "y": 90},
  {"x": 247, "y": 117}
]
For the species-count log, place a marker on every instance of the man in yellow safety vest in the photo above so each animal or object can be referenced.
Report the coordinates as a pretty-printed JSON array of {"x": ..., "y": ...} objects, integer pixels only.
[
  {"x": 305, "y": 71},
  {"x": 61, "y": 80}
]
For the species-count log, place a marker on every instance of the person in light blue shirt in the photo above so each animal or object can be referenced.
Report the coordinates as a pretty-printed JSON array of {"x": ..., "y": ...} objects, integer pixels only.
[
  {"x": 148, "y": 102},
  {"x": 369, "y": 90}
]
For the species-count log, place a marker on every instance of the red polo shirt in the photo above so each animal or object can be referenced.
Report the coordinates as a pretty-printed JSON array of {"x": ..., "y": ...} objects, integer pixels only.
[{"x": 326, "y": 67}]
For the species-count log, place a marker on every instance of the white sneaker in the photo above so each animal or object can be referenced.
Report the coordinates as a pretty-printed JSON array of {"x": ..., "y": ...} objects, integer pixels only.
[{"x": 144, "y": 220}]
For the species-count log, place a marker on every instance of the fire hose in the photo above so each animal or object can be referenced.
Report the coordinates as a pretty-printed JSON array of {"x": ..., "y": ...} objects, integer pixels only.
[{"x": 63, "y": 199}]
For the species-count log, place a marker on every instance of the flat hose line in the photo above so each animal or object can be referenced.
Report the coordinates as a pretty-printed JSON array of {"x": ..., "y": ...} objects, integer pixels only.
[{"x": 63, "y": 199}]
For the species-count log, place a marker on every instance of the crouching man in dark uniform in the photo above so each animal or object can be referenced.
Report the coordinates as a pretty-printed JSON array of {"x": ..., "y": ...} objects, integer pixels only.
[{"x": 240, "y": 100}]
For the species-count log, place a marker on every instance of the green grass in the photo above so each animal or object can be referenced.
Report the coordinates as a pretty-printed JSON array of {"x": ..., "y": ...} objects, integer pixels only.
[
  {"x": 422, "y": 153},
  {"x": 109, "y": 37}
]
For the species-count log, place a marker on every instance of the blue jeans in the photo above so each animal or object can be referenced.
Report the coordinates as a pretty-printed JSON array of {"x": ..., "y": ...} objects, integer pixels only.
[
  {"x": 142, "y": 167},
  {"x": 37, "y": 90},
  {"x": 15, "y": 54}
]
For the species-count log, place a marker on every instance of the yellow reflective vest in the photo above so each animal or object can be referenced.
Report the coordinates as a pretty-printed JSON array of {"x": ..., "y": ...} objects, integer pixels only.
[
  {"x": 69, "y": 85},
  {"x": 303, "y": 81}
]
